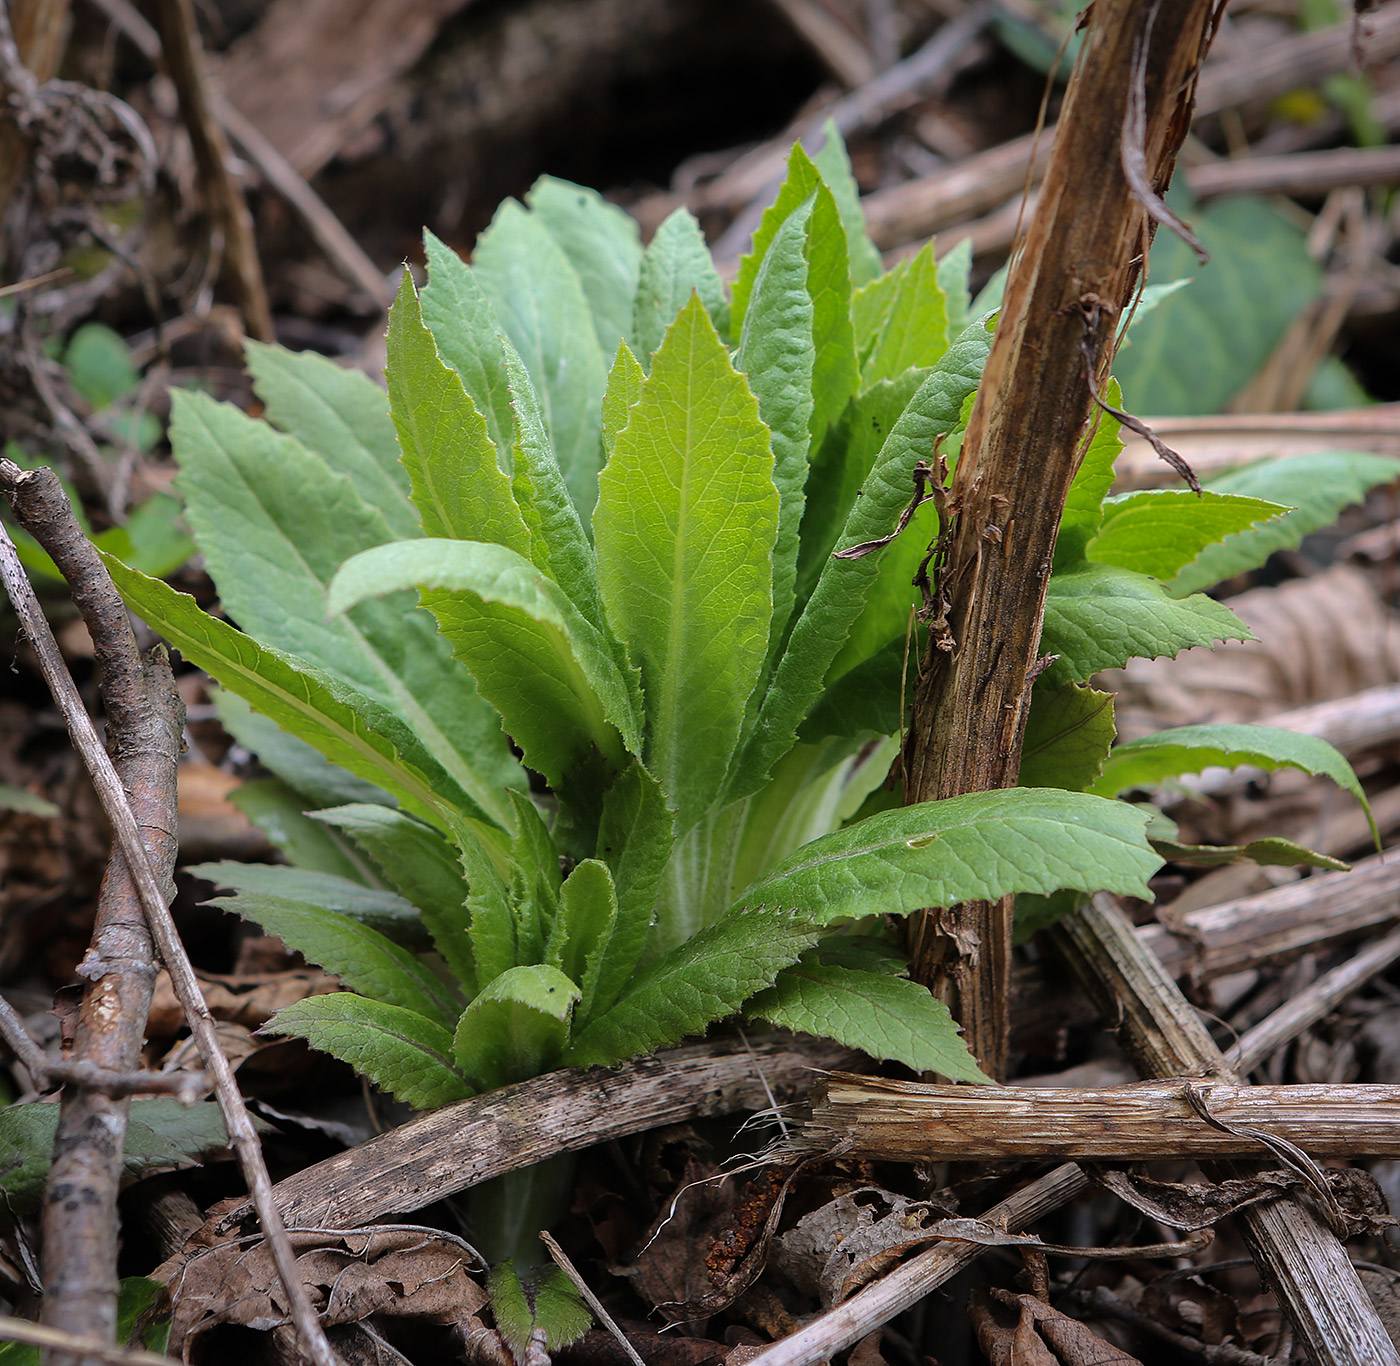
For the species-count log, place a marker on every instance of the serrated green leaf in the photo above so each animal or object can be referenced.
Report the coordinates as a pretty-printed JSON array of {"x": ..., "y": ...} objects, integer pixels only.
[
  {"x": 534, "y": 880},
  {"x": 887, "y": 1017},
  {"x": 400, "y": 1051},
  {"x": 1201, "y": 346},
  {"x": 901, "y": 320},
  {"x": 424, "y": 868},
  {"x": 1317, "y": 487},
  {"x": 1098, "y": 616},
  {"x": 559, "y": 545},
  {"x": 1069, "y": 733},
  {"x": 1166, "y": 754},
  {"x": 549, "y": 672},
  {"x": 540, "y": 302},
  {"x": 491, "y": 924},
  {"x": 866, "y": 699},
  {"x": 1272, "y": 851},
  {"x": 379, "y": 909},
  {"x": 1092, "y": 481},
  {"x": 675, "y": 265},
  {"x": 365, "y": 960},
  {"x": 861, "y": 952},
  {"x": 162, "y": 1134},
  {"x": 603, "y": 246},
  {"x": 841, "y": 463},
  {"x": 801, "y": 182},
  {"x": 516, "y": 1027},
  {"x": 321, "y": 782},
  {"x": 343, "y": 416},
  {"x": 835, "y": 168},
  {"x": 348, "y": 728},
  {"x": 636, "y": 834},
  {"x": 624, "y": 389},
  {"x": 279, "y": 811},
  {"x": 954, "y": 271},
  {"x": 686, "y": 521},
  {"x": 1161, "y": 531},
  {"x": 844, "y": 585},
  {"x": 578, "y": 940},
  {"x": 468, "y": 336},
  {"x": 702, "y": 980},
  {"x": 978, "y": 847},
  {"x": 776, "y": 352},
  {"x": 459, "y": 488},
  {"x": 275, "y": 523}
]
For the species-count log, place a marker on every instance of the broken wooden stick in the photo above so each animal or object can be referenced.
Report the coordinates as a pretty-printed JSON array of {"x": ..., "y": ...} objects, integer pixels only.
[{"x": 906, "y": 1121}]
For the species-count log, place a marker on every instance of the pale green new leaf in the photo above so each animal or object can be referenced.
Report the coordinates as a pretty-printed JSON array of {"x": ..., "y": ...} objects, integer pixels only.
[
  {"x": 275, "y": 523},
  {"x": 954, "y": 271},
  {"x": 901, "y": 320},
  {"x": 624, "y": 389},
  {"x": 362, "y": 958},
  {"x": 425, "y": 869},
  {"x": 1161, "y": 531},
  {"x": 887, "y": 1017},
  {"x": 400, "y": 1051},
  {"x": 491, "y": 925},
  {"x": 801, "y": 182},
  {"x": 1098, "y": 616},
  {"x": 468, "y": 336},
  {"x": 702, "y": 980},
  {"x": 1092, "y": 481},
  {"x": 776, "y": 352},
  {"x": 547, "y": 670},
  {"x": 1069, "y": 733},
  {"x": 535, "y": 876},
  {"x": 835, "y": 167},
  {"x": 350, "y": 729},
  {"x": 387, "y": 912},
  {"x": 458, "y": 486},
  {"x": 636, "y": 834},
  {"x": 579, "y": 938},
  {"x": 844, "y": 585},
  {"x": 835, "y": 373},
  {"x": 686, "y": 521},
  {"x": 978, "y": 847},
  {"x": 550, "y": 1306},
  {"x": 1317, "y": 487},
  {"x": 603, "y": 246},
  {"x": 675, "y": 265},
  {"x": 294, "y": 761},
  {"x": 343, "y": 416},
  {"x": 1166, "y": 754},
  {"x": 516, "y": 1027},
  {"x": 540, "y": 302}
]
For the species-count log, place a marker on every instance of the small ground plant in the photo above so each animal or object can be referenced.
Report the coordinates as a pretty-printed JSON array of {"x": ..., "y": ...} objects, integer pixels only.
[{"x": 579, "y": 657}]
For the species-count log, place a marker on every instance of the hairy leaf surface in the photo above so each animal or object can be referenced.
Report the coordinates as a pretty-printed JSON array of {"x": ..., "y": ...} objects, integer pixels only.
[
  {"x": 901, "y": 320},
  {"x": 399, "y": 1050},
  {"x": 516, "y": 1027},
  {"x": 686, "y": 521},
  {"x": 1069, "y": 733},
  {"x": 548, "y": 671},
  {"x": 676, "y": 265},
  {"x": 1098, "y": 616},
  {"x": 886, "y": 1017}
]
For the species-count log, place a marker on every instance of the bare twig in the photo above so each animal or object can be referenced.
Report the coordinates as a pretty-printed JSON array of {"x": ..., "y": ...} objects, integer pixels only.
[
  {"x": 1298, "y": 1256},
  {"x": 21, "y": 1330},
  {"x": 242, "y": 1135},
  {"x": 594, "y": 1303},
  {"x": 181, "y": 46}
]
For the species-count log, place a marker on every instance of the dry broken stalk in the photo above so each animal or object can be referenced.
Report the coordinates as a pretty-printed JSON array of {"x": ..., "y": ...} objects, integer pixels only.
[
  {"x": 1073, "y": 277},
  {"x": 1298, "y": 1257},
  {"x": 145, "y": 719},
  {"x": 127, "y": 835}
]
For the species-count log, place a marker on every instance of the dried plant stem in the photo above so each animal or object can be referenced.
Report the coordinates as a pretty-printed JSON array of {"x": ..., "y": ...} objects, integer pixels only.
[
  {"x": 1066, "y": 291},
  {"x": 128, "y": 839},
  {"x": 1300, "y": 1259},
  {"x": 37, "y": 1335},
  {"x": 904, "y": 1121}
]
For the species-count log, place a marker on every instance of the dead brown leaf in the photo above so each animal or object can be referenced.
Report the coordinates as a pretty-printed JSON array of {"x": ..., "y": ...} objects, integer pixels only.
[
  {"x": 1020, "y": 1330},
  {"x": 396, "y": 1271},
  {"x": 247, "y": 999}
]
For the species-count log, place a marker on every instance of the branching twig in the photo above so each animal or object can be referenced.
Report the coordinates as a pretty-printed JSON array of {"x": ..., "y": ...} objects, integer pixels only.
[{"x": 242, "y": 1135}]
